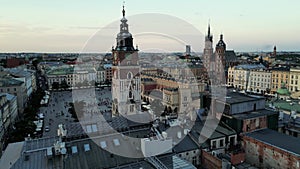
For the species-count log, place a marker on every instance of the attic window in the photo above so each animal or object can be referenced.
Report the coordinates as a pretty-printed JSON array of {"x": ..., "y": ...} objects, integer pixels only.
[
  {"x": 74, "y": 150},
  {"x": 86, "y": 147}
]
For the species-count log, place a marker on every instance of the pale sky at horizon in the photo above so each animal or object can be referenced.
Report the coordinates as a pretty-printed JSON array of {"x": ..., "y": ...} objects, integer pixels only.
[{"x": 66, "y": 26}]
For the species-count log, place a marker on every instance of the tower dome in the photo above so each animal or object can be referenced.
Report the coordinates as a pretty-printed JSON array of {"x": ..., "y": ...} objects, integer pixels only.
[
  {"x": 124, "y": 37},
  {"x": 221, "y": 43}
]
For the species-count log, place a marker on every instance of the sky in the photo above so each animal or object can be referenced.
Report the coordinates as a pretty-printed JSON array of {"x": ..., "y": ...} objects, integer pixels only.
[{"x": 71, "y": 25}]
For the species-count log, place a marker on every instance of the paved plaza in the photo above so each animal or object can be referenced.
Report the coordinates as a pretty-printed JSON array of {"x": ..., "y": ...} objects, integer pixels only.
[{"x": 97, "y": 101}]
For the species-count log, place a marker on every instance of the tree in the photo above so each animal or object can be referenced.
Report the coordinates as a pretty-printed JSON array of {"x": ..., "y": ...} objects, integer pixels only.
[
  {"x": 64, "y": 84},
  {"x": 55, "y": 85},
  {"x": 157, "y": 107}
]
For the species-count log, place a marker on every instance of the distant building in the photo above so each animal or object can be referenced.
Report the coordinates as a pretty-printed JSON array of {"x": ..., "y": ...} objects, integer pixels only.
[
  {"x": 217, "y": 63},
  {"x": 70, "y": 76},
  {"x": 15, "y": 62},
  {"x": 25, "y": 75},
  {"x": 260, "y": 81},
  {"x": 17, "y": 88},
  {"x": 108, "y": 72},
  {"x": 188, "y": 50},
  {"x": 239, "y": 76},
  {"x": 100, "y": 75},
  {"x": 274, "y": 52}
]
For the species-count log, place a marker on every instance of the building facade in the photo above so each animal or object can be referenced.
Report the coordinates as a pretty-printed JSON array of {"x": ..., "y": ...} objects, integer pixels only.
[
  {"x": 17, "y": 88},
  {"x": 269, "y": 149},
  {"x": 8, "y": 115},
  {"x": 239, "y": 76},
  {"x": 280, "y": 75},
  {"x": 294, "y": 80},
  {"x": 70, "y": 76},
  {"x": 260, "y": 81}
]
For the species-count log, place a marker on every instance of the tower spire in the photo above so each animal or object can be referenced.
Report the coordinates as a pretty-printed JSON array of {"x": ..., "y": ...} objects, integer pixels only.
[
  {"x": 208, "y": 28},
  {"x": 123, "y": 11}
]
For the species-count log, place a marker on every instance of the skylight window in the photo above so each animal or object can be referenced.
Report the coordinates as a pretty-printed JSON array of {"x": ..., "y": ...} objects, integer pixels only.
[
  {"x": 86, "y": 147},
  {"x": 116, "y": 142},
  {"x": 74, "y": 150},
  {"x": 103, "y": 144}
]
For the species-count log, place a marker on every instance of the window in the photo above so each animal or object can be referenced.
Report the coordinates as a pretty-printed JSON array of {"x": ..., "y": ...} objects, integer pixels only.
[
  {"x": 86, "y": 147},
  {"x": 131, "y": 108},
  {"x": 116, "y": 142},
  {"x": 194, "y": 160},
  {"x": 74, "y": 149},
  {"x": 129, "y": 75},
  {"x": 214, "y": 144},
  {"x": 103, "y": 144},
  {"x": 89, "y": 129},
  {"x": 221, "y": 143},
  {"x": 185, "y": 98}
]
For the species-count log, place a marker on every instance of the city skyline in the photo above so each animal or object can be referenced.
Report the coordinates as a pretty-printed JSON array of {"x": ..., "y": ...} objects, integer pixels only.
[{"x": 55, "y": 26}]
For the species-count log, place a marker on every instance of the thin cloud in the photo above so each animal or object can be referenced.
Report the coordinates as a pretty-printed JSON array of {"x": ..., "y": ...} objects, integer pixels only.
[{"x": 91, "y": 27}]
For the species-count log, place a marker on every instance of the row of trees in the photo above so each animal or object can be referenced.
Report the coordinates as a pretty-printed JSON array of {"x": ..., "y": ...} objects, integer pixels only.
[{"x": 25, "y": 125}]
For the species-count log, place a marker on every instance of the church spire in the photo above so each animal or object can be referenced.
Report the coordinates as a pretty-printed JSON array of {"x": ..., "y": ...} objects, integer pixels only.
[
  {"x": 123, "y": 11},
  {"x": 209, "y": 37},
  {"x": 208, "y": 34}
]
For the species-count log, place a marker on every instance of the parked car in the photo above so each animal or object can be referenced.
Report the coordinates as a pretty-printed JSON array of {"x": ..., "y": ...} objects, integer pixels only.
[{"x": 47, "y": 128}]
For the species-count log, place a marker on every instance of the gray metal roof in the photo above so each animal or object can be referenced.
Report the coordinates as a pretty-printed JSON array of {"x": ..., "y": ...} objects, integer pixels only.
[
  {"x": 174, "y": 162},
  {"x": 8, "y": 82},
  {"x": 257, "y": 113},
  {"x": 230, "y": 56},
  {"x": 250, "y": 66},
  {"x": 186, "y": 144},
  {"x": 276, "y": 139},
  {"x": 234, "y": 97}
]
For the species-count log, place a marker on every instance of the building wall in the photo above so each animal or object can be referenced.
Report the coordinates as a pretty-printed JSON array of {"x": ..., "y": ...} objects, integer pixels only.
[
  {"x": 263, "y": 155},
  {"x": 192, "y": 156},
  {"x": 241, "y": 78},
  {"x": 279, "y": 77},
  {"x": 100, "y": 76},
  {"x": 8, "y": 115},
  {"x": 210, "y": 161},
  {"x": 260, "y": 81},
  {"x": 294, "y": 80},
  {"x": 254, "y": 124},
  {"x": 20, "y": 92},
  {"x": 218, "y": 143},
  {"x": 230, "y": 77},
  {"x": 171, "y": 98},
  {"x": 247, "y": 106}
]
